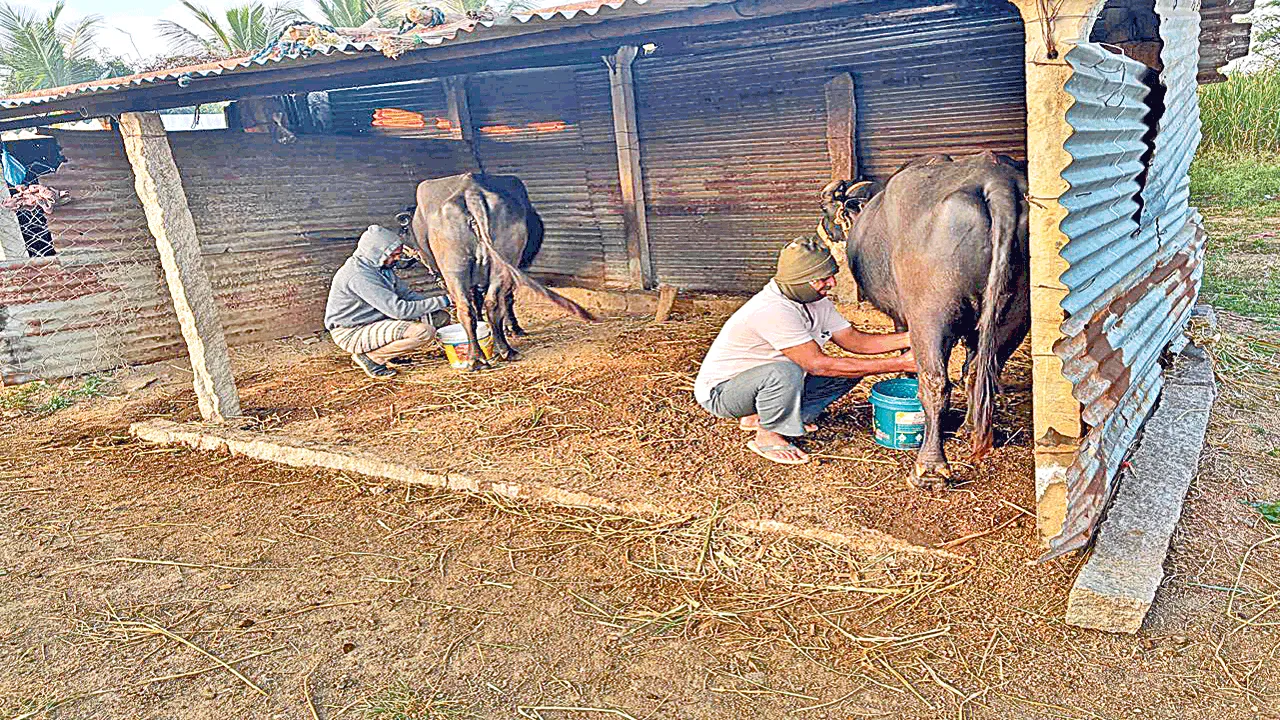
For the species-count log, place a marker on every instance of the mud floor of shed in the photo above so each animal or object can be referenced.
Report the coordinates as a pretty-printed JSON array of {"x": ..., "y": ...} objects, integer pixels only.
[{"x": 607, "y": 409}]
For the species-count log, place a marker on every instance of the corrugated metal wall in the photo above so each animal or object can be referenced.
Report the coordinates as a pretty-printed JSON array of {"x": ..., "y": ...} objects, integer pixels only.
[
  {"x": 1135, "y": 253},
  {"x": 529, "y": 124},
  {"x": 275, "y": 222},
  {"x": 733, "y": 128},
  {"x": 101, "y": 301},
  {"x": 352, "y": 110},
  {"x": 553, "y": 128}
]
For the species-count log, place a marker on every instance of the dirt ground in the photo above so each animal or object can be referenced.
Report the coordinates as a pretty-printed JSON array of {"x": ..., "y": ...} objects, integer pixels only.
[
  {"x": 146, "y": 582},
  {"x": 608, "y": 409}
]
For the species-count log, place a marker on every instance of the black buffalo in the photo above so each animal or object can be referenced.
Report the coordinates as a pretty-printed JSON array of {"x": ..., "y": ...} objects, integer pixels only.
[
  {"x": 942, "y": 249},
  {"x": 479, "y": 232}
]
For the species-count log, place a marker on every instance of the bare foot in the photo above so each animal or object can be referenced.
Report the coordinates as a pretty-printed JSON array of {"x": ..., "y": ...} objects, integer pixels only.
[
  {"x": 752, "y": 422},
  {"x": 776, "y": 448}
]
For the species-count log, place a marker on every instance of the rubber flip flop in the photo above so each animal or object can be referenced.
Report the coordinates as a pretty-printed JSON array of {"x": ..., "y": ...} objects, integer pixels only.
[
  {"x": 763, "y": 450},
  {"x": 808, "y": 427}
]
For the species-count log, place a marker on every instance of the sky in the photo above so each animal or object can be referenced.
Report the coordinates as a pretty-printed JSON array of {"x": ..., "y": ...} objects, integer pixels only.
[{"x": 128, "y": 27}]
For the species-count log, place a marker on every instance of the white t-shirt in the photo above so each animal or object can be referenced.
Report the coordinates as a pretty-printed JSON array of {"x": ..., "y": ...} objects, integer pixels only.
[{"x": 760, "y": 330}]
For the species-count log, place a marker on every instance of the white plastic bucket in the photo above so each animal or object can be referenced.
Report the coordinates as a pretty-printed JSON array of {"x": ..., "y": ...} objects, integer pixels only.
[{"x": 458, "y": 350}]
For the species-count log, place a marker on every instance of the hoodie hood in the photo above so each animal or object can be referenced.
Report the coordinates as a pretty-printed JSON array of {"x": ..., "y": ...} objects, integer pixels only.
[{"x": 376, "y": 245}]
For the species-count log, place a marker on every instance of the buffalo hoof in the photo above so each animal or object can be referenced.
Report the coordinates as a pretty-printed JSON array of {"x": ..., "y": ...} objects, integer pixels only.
[
  {"x": 517, "y": 331},
  {"x": 477, "y": 365},
  {"x": 930, "y": 476},
  {"x": 511, "y": 355}
]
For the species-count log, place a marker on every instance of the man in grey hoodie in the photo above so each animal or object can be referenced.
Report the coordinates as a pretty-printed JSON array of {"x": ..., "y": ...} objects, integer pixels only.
[{"x": 372, "y": 313}]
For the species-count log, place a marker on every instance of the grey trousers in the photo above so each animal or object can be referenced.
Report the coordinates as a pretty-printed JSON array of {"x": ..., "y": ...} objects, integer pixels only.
[{"x": 782, "y": 394}]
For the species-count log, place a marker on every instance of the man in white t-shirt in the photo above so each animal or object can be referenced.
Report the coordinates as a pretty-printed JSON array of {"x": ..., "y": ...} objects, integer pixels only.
[{"x": 767, "y": 369}]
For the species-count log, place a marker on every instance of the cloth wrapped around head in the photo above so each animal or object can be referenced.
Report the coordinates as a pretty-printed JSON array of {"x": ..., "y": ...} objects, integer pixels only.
[{"x": 802, "y": 261}]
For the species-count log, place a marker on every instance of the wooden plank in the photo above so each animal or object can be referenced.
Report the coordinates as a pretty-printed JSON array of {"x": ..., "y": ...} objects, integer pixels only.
[
  {"x": 842, "y": 121},
  {"x": 666, "y": 301},
  {"x": 626, "y": 135},
  {"x": 159, "y": 187}
]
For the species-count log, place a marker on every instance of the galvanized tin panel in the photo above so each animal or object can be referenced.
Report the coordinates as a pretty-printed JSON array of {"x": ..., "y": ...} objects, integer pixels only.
[
  {"x": 248, "y": 192},
  {"x": 353, "y": 109},
  {"x": 101, "y": 301},
  {"x": 530, "y": 123},
  {"x": 527, "y": 124},
  {"x": 275, "y": 221},
  {"x": 1135, "y": 254},
  {"x": 733, "y": 121}
]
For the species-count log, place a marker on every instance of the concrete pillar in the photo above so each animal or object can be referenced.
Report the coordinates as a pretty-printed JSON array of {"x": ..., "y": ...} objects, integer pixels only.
[
  {"x": 1052, "y": 29},
  {"x": 12, "y": 246},
  {"x": 626, "y": 135},
  {"x": 159, "y": 187}
]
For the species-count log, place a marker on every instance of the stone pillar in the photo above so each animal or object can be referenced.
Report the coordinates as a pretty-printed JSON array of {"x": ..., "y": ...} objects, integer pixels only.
[
  {"x": 12, "y": 246},
  {"x": 627, "y": 138},
  {"x": 1052, "y": 29},
  {"x": 159, "y": 187}
]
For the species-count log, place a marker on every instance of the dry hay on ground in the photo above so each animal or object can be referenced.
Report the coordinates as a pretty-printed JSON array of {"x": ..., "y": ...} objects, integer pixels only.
[{"x": 607, "y": 409}]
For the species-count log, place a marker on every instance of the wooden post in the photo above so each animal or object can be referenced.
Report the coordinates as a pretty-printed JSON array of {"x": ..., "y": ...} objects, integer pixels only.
[
  {"x": 666, "y": 301},
  {"x": 455, "y": 90},
  {"x": 842, "y": 147},
  {"x": 630, "y": 174},
  {"x": 842, "y": 121},
  {"x": 1050, "y": 34},
  {"x": 159, "y": 187}
]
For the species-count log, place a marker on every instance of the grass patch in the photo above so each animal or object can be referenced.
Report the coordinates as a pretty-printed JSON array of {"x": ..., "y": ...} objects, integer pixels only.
[
  {"x": 1256, "y": 295},
  {"x": 1232, "y": 181},
  {"x": 40, "y": 398},
  {"x": 1239, "y": 115}
]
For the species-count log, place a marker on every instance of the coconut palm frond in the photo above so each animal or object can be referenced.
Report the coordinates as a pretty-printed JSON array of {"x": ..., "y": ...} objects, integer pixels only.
[
  {"x": 242, "y": 29},
  {"x": 184, "y": 41},
  {"x": 345, "y": 13},
  {"x": 40, "y": 52}
]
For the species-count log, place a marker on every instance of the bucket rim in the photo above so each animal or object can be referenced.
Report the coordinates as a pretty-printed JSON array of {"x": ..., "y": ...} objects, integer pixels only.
[
  {"x": 482, "y": 331},
  {"x": 883, "y": 391}
]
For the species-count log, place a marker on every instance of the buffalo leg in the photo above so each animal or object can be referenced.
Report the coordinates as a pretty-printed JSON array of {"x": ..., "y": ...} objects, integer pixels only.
[
  {"x": 932, "y": 350},
  {"x": 509, "y": 305},
  {"x": 464, "y": 297},
  {"x": 495, "y": 311}
]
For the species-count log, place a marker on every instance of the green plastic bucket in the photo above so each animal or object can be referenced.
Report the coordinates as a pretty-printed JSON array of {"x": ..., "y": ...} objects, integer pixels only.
[{"x": 897, "y": 417}]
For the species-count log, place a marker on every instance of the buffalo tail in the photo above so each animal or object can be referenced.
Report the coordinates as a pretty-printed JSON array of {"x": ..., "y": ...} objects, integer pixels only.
[
  {"x": 1003, "y": 209},
  {"x": 478, "y": 212}
]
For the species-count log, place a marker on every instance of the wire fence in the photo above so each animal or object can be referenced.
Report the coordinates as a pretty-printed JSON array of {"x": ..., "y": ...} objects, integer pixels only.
[{"x": 81, "y": 287}]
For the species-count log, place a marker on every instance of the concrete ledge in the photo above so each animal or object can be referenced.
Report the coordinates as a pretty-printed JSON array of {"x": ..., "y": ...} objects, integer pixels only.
[
  {"x": 1118, "y": 583},
  {"x": 304, "y": 454}
]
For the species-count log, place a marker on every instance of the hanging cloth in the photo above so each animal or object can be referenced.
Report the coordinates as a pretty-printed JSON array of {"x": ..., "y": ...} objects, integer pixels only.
[{"x": 15, "y": 173}]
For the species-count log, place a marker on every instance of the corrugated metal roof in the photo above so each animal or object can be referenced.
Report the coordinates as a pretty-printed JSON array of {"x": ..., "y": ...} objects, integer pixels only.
[{"x": 353, "y": 41}]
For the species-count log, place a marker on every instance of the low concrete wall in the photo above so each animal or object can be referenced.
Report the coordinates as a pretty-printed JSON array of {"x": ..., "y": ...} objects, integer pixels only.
[{"x": 305, "y": 454}]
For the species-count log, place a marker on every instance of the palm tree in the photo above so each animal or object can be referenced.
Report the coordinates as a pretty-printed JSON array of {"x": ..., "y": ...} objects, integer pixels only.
[
  {"x": 354, "y": 13},
  {"x": 243, "y": 29},
  {"x": 36, "y": 52}
]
